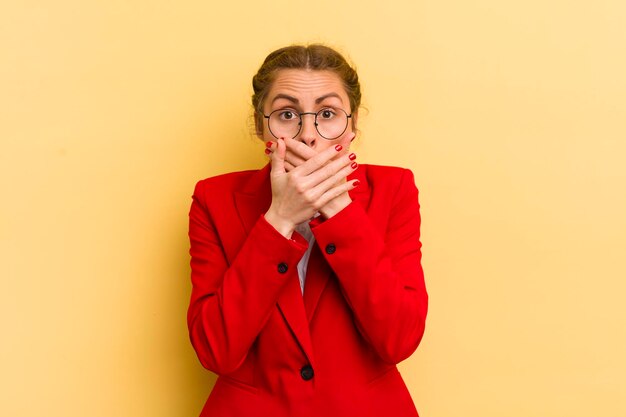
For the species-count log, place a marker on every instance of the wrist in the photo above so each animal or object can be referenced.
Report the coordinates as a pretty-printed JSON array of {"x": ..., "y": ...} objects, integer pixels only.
[{"x": 283, "y": 226}]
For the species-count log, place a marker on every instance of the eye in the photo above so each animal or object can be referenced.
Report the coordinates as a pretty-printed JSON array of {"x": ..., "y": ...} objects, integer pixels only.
[
  {"x": 326, "y": 113},
  {"x": 287, "y": 115}
]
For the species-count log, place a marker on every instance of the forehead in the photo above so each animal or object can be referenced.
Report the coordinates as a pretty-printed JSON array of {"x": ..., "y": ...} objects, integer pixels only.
[{"x": 307, "y": 85}]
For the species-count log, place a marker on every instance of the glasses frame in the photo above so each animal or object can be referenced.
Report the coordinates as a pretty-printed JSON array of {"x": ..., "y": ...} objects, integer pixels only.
[{"x": 348, "y": 117}]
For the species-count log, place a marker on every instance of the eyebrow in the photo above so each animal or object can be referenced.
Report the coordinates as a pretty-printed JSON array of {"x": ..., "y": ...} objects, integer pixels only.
[
  {"x": 286, "y": 97},
  {"x": 296, "y": 101},
  {"x": 324, "y": 97}
]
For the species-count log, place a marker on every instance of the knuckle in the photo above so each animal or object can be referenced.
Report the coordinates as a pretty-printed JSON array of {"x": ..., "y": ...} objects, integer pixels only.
[
  {"x": 309, "y": 197},
  {"x": 317, "y": 205},
  {"x": 301, "y": 188},
  {"x": 293, "y": 180}
]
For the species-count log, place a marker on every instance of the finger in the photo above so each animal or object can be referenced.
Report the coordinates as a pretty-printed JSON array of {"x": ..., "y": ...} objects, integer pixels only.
[
  {"x": 288, "y": 166},
  {"x": 300, "y": 149},
  {"x": 277, "y": 158},
  {"x": 293, "y": 159},
  {"x": 347, "y": 139},
  {"x": 338, "y": 168},
  {"x": 339, "y": 177},
  {"x": 336, "y": 191},
  {"x": 319, "y": 160}
]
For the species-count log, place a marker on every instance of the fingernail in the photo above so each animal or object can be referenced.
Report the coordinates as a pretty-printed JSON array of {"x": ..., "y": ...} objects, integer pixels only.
[
  {"x": 269, "y": 144},
  {"x": 354, "y": 165},
  {"x": 268, "y": 151},
  {"x": 352, "y": 156},
  {"x": 338, "y": 148},
  {"x": 356, "y": 183}
]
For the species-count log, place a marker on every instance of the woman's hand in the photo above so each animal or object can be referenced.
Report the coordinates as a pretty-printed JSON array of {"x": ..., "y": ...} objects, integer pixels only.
[
  {"x": 303, "y": 190},
  {"x": 298, "y": 153}
]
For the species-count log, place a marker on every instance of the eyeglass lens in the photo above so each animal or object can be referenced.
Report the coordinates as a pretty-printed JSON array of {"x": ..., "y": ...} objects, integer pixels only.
[{"x": 329, "y": 122}]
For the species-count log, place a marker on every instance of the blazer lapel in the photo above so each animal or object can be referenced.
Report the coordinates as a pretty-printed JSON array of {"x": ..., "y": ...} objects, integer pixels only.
[
  {"x": 251, "y": 202},
  {"x": 317, "y": 275},
  {"x": 291, "y": 306},
  {"x": 254, "y": 198},
  {"x": 318, "y": 270}
]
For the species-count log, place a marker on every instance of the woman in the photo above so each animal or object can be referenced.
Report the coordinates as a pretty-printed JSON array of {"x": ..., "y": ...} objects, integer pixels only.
[{"x": 307, "y": 280}]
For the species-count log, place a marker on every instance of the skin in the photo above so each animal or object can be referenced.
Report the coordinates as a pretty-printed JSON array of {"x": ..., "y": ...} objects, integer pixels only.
[{"x": 308, "y": 172}]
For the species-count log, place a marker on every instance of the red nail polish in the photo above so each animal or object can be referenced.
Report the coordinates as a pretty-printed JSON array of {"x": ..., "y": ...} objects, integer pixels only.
[
  {"x": 269, "y": 144},
  {"x": 338, "y": 148},
  {"x": 356, "y": 183},
  {"x": 354, "y": 165},
  {"x": 267, "y": 151},
  {"x": 352, "y": 156}
]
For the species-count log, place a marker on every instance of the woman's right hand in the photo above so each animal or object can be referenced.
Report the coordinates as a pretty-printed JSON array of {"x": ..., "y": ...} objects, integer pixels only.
[{"x": 298, "y": 194}]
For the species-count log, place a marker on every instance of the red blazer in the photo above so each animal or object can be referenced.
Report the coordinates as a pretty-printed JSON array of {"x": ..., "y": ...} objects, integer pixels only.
[{"x": 333, "y": 351}]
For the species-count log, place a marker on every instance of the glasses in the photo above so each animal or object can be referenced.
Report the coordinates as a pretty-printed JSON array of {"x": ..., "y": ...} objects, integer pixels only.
[{"x": 330, "y": 122}]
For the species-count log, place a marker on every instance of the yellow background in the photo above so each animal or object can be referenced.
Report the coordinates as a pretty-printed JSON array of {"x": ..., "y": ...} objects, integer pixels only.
[{"x": 511, "y": 114}]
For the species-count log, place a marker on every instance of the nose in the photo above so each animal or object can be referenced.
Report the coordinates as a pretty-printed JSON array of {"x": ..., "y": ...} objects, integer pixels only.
[{"x": 308, "y": 132}]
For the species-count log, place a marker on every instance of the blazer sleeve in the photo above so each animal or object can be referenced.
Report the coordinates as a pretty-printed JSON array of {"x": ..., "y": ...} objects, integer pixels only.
[
  {"x": 381, "y": 274},
  {"x": 231, "y": 301}
]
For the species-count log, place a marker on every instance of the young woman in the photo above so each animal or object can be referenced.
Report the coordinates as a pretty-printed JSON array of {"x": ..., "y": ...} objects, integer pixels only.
[{"x": 307, "y": 280}]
